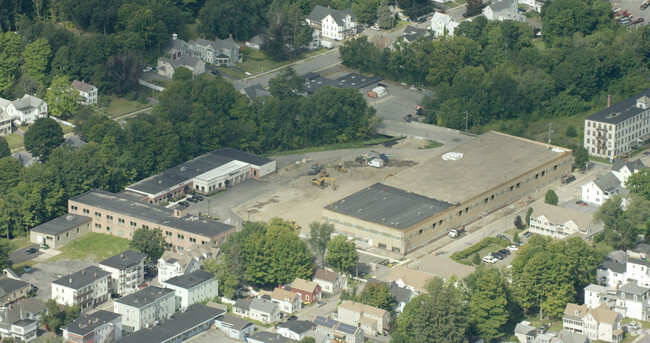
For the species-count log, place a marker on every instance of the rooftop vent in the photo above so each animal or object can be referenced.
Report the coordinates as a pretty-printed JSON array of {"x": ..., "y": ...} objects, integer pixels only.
[
  {"x": 385, "y": 198},
  {"x": 359, "y": 211},
  {"x": 69, "y": 217},
  {"x": 159, "y": 181},
  {"x": 383, "y": 220},
  {"x": 613, "y": 115},
  {"x": 183, "y": 168}
]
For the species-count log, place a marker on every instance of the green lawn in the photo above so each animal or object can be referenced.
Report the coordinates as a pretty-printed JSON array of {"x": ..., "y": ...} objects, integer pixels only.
[
  {"x": 232, "y": 72},
  {"x": 256, "y": 62},
  {"x": 15, "y": 141},
  {"x": 483, "y": 252},
  {"x": 432, "y": 145},
  {"x": 399, "y": 24},
  {"x": 94, "y": 246},
  {"x": 19, "y": 243},
  {"x": 121, "y": 106}
]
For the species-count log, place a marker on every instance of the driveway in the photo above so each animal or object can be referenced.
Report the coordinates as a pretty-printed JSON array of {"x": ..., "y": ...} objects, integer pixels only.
[
  {"x": 21, "y": 255},
  {"x": 43, "y": 274}
]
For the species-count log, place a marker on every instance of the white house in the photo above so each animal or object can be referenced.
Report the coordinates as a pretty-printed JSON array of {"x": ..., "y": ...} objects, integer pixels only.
[
  {"x": 192, "y": 288},
  {"x": 25, "y": 110},
  {"x": 602, "y": 188},
  {"x": 619, "y": 128},
  {"x": 333, "y": 24},
  {"x": 235, "y": 327},
  {"x": 370, "y": 319},
  {"x": 411, "y": 279},
  {"x": 535, "y": 4},
  {"x": 264, "y": 310},
  {"x": 167, "y": 67},
  {"x": 219, "y": 51},
  {"x": 100, "y": 326},
  {"x": 87, "y": 91},
  {"x": 622, "y": 169},
  {"x": 145, "y": 307},
  {"x": 5, "y": 123},
  {"x": 559, "y": 222},
  {"x": 596, "y": 295},
  {"x": 287, "y": 301},
  {"x": 596, "y": 323},
  {"x": 17, "y": 323},
  {"x": 295, "y": 329},
  {"x": 86, "y": 288},
  {"x": 330, "y": 282},
  {"x": 172, "y": 264},
  {"x": 127, "y": 271},
  {"x": 443, "y": 25},
  {"x": 402, "y": 295},
  {"x": 503, "y": 10},
  {"x": 633, "y": 301}
]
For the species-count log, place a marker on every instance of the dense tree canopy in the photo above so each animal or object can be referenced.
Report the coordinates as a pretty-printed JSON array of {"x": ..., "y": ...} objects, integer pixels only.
[
  {"x": 62, "y": 99},
  {"x": 148, "y": 241},
  {"x": 551, "y": 197},
  {"x": 4, "y": 148},
  {"x": 341, "y": 254},
  {"x": 319, "y": 236},
  {"x": 43, "y": 137},
  {"x": 488, "y": 305},
  {"x": 378, "y": 295}
]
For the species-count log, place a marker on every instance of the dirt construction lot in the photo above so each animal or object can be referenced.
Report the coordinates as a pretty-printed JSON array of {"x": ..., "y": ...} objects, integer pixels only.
[{"x": 302, "y": 201}]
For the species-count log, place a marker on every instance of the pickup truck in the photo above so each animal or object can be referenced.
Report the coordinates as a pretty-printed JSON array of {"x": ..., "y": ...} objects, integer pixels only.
[{"x": 455, "y": 233}]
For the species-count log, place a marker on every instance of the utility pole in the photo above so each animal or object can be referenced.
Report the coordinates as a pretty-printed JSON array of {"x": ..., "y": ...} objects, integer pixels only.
[
  {"x": 466, "y": 120},
  {"x": 549, "y": 133}
]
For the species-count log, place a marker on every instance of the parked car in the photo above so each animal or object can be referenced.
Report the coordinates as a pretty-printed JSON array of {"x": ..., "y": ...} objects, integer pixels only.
[
  {"x": 637, "y": 20},
  {"x": 527, "y": 234},
  {"x": 31, "y": 251},
  {"x": 215, "y": 72},
  {"x": 143, "y": 285},
  {"x": 320, "y": 303},
  {"x": 184, "y": 203},
  {"x": 505, "y": 252},
  {"x": 490, "y": 259},
  {"x": 503, "y": 237},
  {"x": 512, "y": 248},
  {"x": 466, "y": 15},
  {"x": 581, "y": 203},
  {"x": 375, "y": 27},
  {"x": 199, "y": 197},
  {"x": 645, "y": 5},
  {"x": 292, "y": 318},
  {"x": 147, "y": 69}
]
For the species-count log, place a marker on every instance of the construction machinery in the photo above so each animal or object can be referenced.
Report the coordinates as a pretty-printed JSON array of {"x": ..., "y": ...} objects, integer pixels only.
[
  {"x": 295, "y": 225},
  {"x": 322, "y": 182},
  {"x": 315, "y": 169},
  {"x": 340, "y": 168}
]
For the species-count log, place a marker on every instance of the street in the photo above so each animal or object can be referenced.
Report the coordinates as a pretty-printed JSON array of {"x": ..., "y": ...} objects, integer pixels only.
[{"x": 312, "y": 64}]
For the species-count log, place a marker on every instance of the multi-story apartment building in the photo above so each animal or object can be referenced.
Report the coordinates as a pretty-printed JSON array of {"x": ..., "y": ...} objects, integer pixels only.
[
  {"x": 333, "y": 24},
  {"x": 559, "y": 222},
  {"x": 86, "y": 288},
  {"x": 145, "y": 307},
  {"x": 100, "y": 326},
  {"x": 127, "y": 271},
  {"x": 172, "y": 264},
  {"x": 191, "y": 288},
  {"x": 120, "y": 215},
  {"x": 629, "y": 300},
  {"x": 618, "y": 128},
  {"x": 370, "y": 319},
  {"x": 596, "y": 323}
]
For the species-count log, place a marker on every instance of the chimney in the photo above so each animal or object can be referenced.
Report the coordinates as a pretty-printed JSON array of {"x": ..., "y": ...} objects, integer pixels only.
[
  {"x": 609, "y": 100},
  {"x": 70, "y": 280},
  {"x": 174, "y": 36},
  {"x": 122, "y": 255},
  {"x": 83, "y": 272},
  {"x": 230, "y": 35},
  {"x": 95, "y": 274}
]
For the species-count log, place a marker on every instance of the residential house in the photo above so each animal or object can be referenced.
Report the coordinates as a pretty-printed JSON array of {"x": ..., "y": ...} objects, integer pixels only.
[
  {"x": 19, "y": 321},
  {"x": 266, "y": 337},
  {"x": 525, "y": 332},
  {"x": 242, "y": 307},
  {"x": 172, "y": 264},
  {"x": 219, "y": 52},
  {"x": 25, "y": 158},
  {"x": 617, "y": 129},
  {"x": 200, "y": 252},
  {"x": 309, "y": 291},
  {"x": 333, "y": 24},
  {"x": 535, "y": 4},
  {"x": 443, "y": 25},
  {"x": 412, "y": 33},
  {"x": 74, "y": 141},
  {"x": 25, "y": 110},
  {"x": 411, "y": 279},
  {"x": 127, "y": 271},
  {"x": 289, "y": 302},
  {"x": 338, "y": 331},
  {"x": 295, "y": 329},
  {"x": 167, "y": 67},
  {"x": 100, "y": 326},
  {"x": 264, "y": 310},
  {"x": 503, "y": 10},
  {"x": 565, "y": 336},
  {"x": 87, "y": 91},
  {"x": 370, "y": 319},
  {"x": 559, "y": 222},
  {"x": 597, "y": 295},
  {"x": 314, "y": 43},
  {"x": 443, "y": 267},
  {"x": 603, "y": 188},
  {"x": 191, "y": 288},
  {"x": 180, "y": 327},
  {"x": 60, "y": 231},
  {"x": 252, "y": 92},
  {"x": 329, "y": 281},
  {"x": 6, "y": 123},
  {"x": 633, "y": 301},
  {"x": 145, "y": 307},
  {"x": 86, "y": 288},
  {"x": 402, "y": 295},
  {"x": 174, "y": 48},
  {"x": 12, "y": 290},
  {"x": 623, "y": 169},
  {"x": 235, "y": 327},
  {"x": 596, "y": 323},
  {"x": 255, "y": 42}
]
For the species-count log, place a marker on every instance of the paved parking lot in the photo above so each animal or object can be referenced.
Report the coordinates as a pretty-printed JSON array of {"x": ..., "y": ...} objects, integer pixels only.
[
  {"x": 633, "y": 6},
  {"x": 43, "y": 274},
  {"x": 400, "y": 101},
  {"x": 20, "y": 256}
]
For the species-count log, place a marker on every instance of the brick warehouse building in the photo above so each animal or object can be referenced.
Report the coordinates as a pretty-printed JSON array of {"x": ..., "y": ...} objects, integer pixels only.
[
  {"x": 422, "y": 204},
  {"x": 204, "y": 174},
  {"x": 120, "y": 215}
]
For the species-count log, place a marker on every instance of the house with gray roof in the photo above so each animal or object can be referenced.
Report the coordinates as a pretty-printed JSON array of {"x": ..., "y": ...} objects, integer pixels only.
[
  {"x": 74, "y": 141},
  {"x": 267, "y": 337},
  {"x": 236, "y": 328},
  {"x": 295, "y": 329},
  {"x": 167, "y": 67},
  {"x": 191, "y": 288},
  {"x": 99, "y": 326},
  {"x": 86, "y": 288},
  {"x": 253, "y": 91},
  {"x": 87, "y": 92},
  {"x": 602, "y": 188},
  {"x": 13, "y": 324},
  {"x": 329, "y": 281},
  {"x": 218, "y": 52},
  {"x": 180, "y": 327},
  {"x": 172, "y": 264},
  {"x": 25, "y": 158},
  {"x": 412, "y": 34},
  {"x": 334, "y": 328},
  {"x": 559, "y": 222},
  {"x": 255, "y": 42},
  {"x": 174, "y": 48},
  {"x": 60, "y": 231},
  {"x": 145, "y": 307},
  {"x": 25, "y": 110},
  {"x": 127, "y": 271},
  {"x": 624, "y": 168},
  {"x": 6, "y": 123},
  {"x": 525, "y": 332},
  {"x": 333, "y": 24},
  {"x": 242, "y": 307},
  {"x": 264, "y": 310},
  {"x": 402, "y": 294},
  {"x": 503, "y": 10},
  {"x": 12, "y": 290}
]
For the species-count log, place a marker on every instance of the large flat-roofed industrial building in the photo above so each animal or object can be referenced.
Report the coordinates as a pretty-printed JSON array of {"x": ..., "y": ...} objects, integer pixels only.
[
  {"x": 205, "y": 174},
  {"x": 120, "y": 215},
  {"x": 425, "y": 202}
]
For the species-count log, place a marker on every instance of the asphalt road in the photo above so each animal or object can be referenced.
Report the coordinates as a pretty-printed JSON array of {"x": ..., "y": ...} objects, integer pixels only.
[
  {"x": 20, "y": 256},
  {"x": 322, "y": 61},
  {"x": 449, "y": 137}
]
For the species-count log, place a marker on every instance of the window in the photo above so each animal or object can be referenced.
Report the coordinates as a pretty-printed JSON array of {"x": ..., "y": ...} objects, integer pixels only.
[
  {"x": 67, "y": 234},
  {"x": 98, "y": 215},
  {"x": 86, "y": 211},
  {"x": 73, "y": 208},
  {"x": 98, "y": 226},
  {"x": 109, "y": 217},
  {"x": 193, "y": 240},
  {"x": 181, "y": 236},
  {"x": 168, "y": 233},
  {"x": 108, "y": 229},
  {"x": 77, "y": 230},
  {"x": 120, "y": 221}
]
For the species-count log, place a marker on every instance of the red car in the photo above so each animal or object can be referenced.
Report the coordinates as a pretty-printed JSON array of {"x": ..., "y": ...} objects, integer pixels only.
[
  {"x": 143, "y": 285},
  {"x": 581, "y": 203}
]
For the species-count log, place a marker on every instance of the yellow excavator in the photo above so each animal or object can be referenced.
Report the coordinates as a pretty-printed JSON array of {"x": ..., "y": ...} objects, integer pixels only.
[
  {"x": 340, "y": 168},
  {"x": 321, "y": 182}
]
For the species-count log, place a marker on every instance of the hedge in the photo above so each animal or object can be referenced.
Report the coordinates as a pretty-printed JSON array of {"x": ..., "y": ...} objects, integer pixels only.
[{"x": 458, "y": 256}]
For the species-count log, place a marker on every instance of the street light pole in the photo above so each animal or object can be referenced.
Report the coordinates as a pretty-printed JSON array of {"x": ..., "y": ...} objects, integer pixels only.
[{"x": 466, "y": 120}]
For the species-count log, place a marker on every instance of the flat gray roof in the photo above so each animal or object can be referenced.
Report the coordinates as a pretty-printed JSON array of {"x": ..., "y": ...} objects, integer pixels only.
[
  {"x": 124, "y": 260},
  {"x": 389, "y": 206},
  {"x": 620, "y": 111},
  {"x": 190, "y": 280},
  {"x": 82, "y": 278},
  {"x": 128, "y": 206},
  {"x": 194, "y": 167},
  {"x": 488, "y": 161},
  {"x": 180, "y": 322},
  {"x": 144, "y": 296},
  {"x": 61, "y": 224}
]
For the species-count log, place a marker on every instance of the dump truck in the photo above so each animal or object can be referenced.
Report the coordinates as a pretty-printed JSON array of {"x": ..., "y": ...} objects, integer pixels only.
[
  {"x": 455, "y": 233},
  {"x": 315, "y": 169}
]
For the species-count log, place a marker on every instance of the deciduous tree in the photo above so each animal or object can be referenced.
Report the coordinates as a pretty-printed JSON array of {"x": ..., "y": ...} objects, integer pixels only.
[
  {"x": 581, "y": 157},
  {"x": 4, "y": 148},
  {"x": 42, "y": 137},
  {"x": 378, "y": 295},
  {"x": 10, "y": 49},
  {"x": 319, "y": 236},
  {"x": 37, "y": 55},
  {"x": 62, "y": 99},
  {"x": 148, "y": 241},
  {"x": 341, "y": 254},
  {"x": 551, "y": 198},
  {"x": 488, "y": 302},
  {"x": 638, "y": 183}
]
